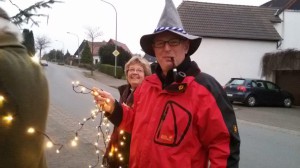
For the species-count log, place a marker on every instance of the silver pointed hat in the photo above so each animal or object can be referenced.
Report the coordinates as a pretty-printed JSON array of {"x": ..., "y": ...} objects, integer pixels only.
[{"x": 169, "y": 21}]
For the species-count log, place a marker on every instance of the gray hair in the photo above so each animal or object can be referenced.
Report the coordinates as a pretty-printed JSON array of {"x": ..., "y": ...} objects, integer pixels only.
[{"x": 141, "y": 61}]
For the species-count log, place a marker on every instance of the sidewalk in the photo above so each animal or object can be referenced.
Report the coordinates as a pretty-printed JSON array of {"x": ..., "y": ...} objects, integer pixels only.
[
  {"x": 105, "y": 79},
  {"x": 61, "y": 127}
]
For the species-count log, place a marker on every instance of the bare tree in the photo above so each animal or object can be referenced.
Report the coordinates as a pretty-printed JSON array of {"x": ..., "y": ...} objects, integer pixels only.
[
  {"x": 42, "y": 42},
  {"x": 92, "y": 34}
]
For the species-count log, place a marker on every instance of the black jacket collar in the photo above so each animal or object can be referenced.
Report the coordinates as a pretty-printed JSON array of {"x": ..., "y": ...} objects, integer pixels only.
[{"x": 190, "y": 68}]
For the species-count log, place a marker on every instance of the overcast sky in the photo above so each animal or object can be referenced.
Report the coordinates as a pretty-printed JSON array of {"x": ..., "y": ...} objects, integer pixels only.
[{"x": 134, "y": 19}]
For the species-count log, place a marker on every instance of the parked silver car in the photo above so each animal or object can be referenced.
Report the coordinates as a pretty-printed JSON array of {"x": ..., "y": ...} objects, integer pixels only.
[{"x": 44, "y": 62}]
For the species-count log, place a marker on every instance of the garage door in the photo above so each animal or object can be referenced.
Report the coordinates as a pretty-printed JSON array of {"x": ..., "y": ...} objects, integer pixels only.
[{"x": 290, "y": 81}]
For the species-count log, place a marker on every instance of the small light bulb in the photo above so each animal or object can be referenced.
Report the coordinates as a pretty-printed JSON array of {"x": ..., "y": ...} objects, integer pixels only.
[
  {"x": 74, "y": 143},
  {"x": 49, "y": 144},
  {"x": 8, "y": 119},
  {"x": 1, "y": 98},
  {"x": 31, "y": 130}
]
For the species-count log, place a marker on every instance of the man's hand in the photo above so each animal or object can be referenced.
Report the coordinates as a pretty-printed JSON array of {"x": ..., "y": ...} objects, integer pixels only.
[{"x": 104, "y": 100}]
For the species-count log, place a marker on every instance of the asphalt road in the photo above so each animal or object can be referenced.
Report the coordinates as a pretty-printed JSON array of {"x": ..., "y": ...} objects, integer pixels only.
[
  {"x": 270, "y": 135},
  {"x": 265, "y": 146},
  {"x": 280, "y": 117}
]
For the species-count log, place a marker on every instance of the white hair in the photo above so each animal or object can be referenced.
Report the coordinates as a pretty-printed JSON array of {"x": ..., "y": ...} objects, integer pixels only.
[{"x": 6, "y": 27}]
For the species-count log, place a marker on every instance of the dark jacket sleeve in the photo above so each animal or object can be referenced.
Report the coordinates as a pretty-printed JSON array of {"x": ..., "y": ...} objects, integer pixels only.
[
  {"x": 116, "y": 116},
  {"x": 228, "y": 115}
]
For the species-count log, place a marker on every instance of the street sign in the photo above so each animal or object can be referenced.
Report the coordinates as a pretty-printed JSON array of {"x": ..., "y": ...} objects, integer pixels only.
[{"x": 116, "y": 53}]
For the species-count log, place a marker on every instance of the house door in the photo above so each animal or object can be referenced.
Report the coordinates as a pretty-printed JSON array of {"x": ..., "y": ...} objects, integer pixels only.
[{"x": 290, "y": 80}]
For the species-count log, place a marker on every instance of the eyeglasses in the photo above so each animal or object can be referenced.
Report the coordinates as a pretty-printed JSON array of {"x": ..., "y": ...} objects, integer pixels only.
[
  {"x": 162, "y": 43},
  {"x": 132, "y": 70}
]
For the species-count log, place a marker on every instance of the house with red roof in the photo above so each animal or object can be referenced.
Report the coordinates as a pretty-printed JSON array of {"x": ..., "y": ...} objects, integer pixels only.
[{"x": 95, "y": 46}]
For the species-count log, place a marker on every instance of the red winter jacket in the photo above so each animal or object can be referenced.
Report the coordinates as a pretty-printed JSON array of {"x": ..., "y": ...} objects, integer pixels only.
[{"x": 182, "y": 125}]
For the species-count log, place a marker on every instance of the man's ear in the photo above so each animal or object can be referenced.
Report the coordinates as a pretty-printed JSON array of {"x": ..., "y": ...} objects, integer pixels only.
[{"x": 186, "y": 46}]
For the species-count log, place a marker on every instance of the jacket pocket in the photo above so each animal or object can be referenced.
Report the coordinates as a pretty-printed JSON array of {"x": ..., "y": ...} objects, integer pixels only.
[{"x": 173, "y": 125}]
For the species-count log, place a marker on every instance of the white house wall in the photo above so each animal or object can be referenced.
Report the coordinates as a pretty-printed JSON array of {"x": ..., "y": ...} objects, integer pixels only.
[
  {"x": 227, "y": 58},
  {"x": 289, "y": 29},
  {"x": 96, "y": 59}
]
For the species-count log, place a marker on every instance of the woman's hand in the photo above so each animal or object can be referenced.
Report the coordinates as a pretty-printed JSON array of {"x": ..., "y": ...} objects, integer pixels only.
[{"x": 104, "y": 100}]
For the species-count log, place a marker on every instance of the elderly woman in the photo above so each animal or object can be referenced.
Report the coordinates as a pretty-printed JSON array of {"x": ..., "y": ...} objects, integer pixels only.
[{"x": 117, "y": 152}]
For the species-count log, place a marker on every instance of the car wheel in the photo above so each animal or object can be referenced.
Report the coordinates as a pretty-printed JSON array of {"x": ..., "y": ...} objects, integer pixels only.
[
  {"x": 287, "y": 102},
  {"x": 251, "y": 101}
]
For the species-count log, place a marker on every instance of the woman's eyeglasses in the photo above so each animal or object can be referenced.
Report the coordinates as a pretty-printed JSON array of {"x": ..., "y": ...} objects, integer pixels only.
[{"x": 132, "y": 70}]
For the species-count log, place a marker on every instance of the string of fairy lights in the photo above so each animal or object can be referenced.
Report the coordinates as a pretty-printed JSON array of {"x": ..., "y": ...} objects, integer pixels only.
[
  {"x": 103, "y": 123},
  {"x": 103, "y": 128}
]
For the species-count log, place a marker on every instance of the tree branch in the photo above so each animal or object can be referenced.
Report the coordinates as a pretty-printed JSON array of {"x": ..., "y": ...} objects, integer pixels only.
[{"x": 26, "y": 15}]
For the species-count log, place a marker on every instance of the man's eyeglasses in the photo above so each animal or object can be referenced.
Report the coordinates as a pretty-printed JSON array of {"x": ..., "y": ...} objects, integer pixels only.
[{"x": 162, "y": 43}]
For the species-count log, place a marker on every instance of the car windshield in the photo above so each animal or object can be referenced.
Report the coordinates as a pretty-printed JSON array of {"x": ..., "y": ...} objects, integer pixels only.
[{"x": 237, "y": 82}]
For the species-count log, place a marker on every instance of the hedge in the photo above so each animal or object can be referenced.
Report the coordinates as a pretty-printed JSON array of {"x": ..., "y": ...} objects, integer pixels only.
[{"x": 110, "y": 70}]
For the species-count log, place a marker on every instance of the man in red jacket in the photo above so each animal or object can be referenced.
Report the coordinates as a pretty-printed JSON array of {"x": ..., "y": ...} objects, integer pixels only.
[{"x": 181, "y": 116}]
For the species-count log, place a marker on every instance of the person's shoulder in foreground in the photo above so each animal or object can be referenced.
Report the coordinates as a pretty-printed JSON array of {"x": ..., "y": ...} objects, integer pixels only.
[{"x": 24, "y": 101}]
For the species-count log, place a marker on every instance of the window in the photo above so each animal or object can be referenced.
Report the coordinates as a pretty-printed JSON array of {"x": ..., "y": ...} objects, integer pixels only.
[
  {"x": 260, "y": 84},
  {"x": 271, "y": 86},
  {"x": 237, "y": 82},
  {"x": 253, "y": 84}
]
